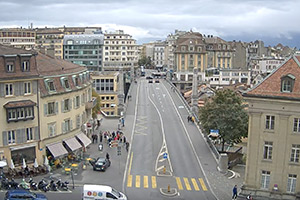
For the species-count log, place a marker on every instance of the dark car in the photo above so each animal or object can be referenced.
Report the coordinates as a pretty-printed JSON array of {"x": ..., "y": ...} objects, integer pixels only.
[
  {"x": 150, "y": 81},
  {"x": 23, "y": 194},
  {"x": 149, "y": 77},
  {"x": 101, "y": 164},
  {"x": 156, "y": 81}
]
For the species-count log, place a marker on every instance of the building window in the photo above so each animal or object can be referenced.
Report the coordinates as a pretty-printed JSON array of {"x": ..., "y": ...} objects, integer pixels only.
[
  {"x": 27, "y": 88},
  {"x": 78, "y": 122},
  {"x": 10, "y": 67},
  {"x": 11, "y": 136},
  {"x": 66, "y": 105},
  {"x": 287, "y": 83},
  {"x": 270, "y": 122},
  {"x": 9, "y": 89},
  {"x": 268, "y": 148},
  {"x": 297, "y": 125},
  {"x": 52, "y": 129},
  {"x": 291, "y": 184},
  {"x": 77, "y": 101},
  {"x": 66, "y": 83},
  {"x": 28, "y": 112},
  {"x": 295, "y": 153},
  {"x": 265, "y": 179},
  {"x": 67, "y": 125},
  {"x": 51, "y": 86},
  {"x": 25, "y": 66},
  {"x": 76, "y": 81},
  {"x": 51, "y": 108},
  {"x": 29, "y": 134}
]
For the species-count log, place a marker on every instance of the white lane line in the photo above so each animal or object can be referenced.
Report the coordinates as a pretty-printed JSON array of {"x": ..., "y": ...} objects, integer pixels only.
[
  {"x": 190, "y": 141},
  {"x": 164, "y": 145}
]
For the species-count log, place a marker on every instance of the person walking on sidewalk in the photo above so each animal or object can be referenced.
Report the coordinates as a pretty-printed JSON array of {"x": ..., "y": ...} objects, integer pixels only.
[
  {"x": 234, "y": 192},
  {"x": 107, "y": 156}
]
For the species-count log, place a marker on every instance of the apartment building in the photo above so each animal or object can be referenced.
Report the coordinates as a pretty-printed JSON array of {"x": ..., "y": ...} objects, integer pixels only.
[
  {"x": 18, "y": 37},
  {"x": 106, "y": 85},
  {"x": 85, "y": 50},
  {"x": 50, "y": 40},
  {"x": 45, "y": 102},
  {"x": 120, "y": 49},
  {"x": 159, "y": 55},
  {"x": 273, "y": 166}
]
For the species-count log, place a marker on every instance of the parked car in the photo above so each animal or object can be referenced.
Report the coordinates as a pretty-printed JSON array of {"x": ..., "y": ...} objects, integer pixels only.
[
  {"x": 23, "y": 194},
  {"x": 100, "y": 164},
  {"x": 150, "y": 81}
]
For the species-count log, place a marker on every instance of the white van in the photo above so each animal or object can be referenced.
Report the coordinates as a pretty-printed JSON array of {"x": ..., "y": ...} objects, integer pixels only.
[{"x": 101, "y": 192}]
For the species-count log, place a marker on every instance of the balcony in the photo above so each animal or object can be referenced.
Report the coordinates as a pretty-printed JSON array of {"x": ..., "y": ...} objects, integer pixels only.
[{"x": 91, "y": 104}]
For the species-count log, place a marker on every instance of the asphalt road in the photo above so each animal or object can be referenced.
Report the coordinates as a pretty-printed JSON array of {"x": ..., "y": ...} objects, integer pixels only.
[{"x": 161, "y": 137}]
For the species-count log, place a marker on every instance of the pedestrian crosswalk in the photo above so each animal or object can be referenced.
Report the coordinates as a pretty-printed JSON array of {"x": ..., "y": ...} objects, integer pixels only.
[{"x": 183, "y": 183}]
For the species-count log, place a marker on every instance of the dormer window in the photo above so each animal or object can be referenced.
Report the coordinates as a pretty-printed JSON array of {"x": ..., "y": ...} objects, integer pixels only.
[
  {"x": 50, "y": 85},
  {"x": 10, "y": 67},
  {"x": 65, "y": 83},
  {"x": 25, "y": 66},
  {"x": 76, "y": 80},
  {"x": 287, "y": 83}
]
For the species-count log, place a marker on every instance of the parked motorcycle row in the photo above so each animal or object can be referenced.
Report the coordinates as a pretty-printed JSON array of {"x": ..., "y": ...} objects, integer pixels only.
[{"x": 42, "y": 185}]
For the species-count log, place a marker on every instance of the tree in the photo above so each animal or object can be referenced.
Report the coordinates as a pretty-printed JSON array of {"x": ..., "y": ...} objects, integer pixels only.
[
  {"x": 226, "y": 113},
  {"x": 97, "y": 108},
  {"x": 145, "y": 61}
]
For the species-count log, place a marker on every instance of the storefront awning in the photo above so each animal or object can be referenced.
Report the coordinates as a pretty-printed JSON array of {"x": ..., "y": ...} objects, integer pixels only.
[
  {"x": 73, "y": 144},
  {"x": 84, "y": 139},
  {"x": 57, "y": 149}
]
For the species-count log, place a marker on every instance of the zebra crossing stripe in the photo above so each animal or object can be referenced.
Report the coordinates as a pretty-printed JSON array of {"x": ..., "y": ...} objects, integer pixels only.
[
  {"x": 202, "y": 184},
  {"x": 195, "y": 184},
  {"x": 137, "y": 181},
  {"x": 153, "y": 178},
  {"x": 146, "y": 182},
  {"x": 187, "y": 184},
  {"x": 129, "y": 181},
  {"x": 179, "y": 184}
]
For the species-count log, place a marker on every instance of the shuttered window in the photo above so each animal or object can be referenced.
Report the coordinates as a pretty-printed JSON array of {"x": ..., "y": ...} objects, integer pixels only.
[{"x": 11, "y": 136}]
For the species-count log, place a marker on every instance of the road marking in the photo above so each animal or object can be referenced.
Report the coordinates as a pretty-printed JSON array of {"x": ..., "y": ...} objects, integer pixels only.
[
  {"x": 187, "y": 184},
  {"x": 130, "y": 163},
  {"x": 180, "y": 106},
  {"x": 146, "y": 182},
  {"x": 195, "y": 184},
  {"x": 202, "y": 184},
  {"x": 129, "y": 181},
  {"x": 137, "y": 181},
  {"x": 179, "y": 184},
  {"x": 153, "y": 178}
]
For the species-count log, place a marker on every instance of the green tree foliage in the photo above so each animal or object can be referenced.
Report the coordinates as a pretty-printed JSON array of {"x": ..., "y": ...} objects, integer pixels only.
[
  {"x": 145, "y": 61},
  {"x": 226, "y": 113},
  {"x": 97, "y": 108}
]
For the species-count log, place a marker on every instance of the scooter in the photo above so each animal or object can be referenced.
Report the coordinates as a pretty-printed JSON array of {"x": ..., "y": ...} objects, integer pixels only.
[
  {"x": 5, "y": 184},
  {"x": 33, "y": 185},
  {"x": 43, "y": 185},
  {"x": 62, "y": 185},
  {"x": 53, "y": 185},
  {"x": 24, "y": 185},
  {"x": 13, "y": 184}
]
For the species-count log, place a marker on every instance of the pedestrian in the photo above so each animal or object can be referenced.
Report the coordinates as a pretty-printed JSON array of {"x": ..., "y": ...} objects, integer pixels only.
[
  {"x": 107, "y": 156},
  {"x": 127, "y": 146},
  {"x": 93, "y": 138},
  {"x": 96, "y": 138},
  {"x": 234, "y": 192},
  {"x": 193, "y": 119},
  {"x": 188, "y": 118},
  {"x": 113, "y": 134},
  {"x": 101, "y": 137},
  {"x": 123, "y": 121},
  {"x": 124, "y": 139}
]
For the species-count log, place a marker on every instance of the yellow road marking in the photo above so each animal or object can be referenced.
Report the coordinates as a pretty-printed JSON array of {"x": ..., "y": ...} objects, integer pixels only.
[
  {"x": 146, "y": 182},
  {"x": 202, "y": 184},
  {"x": 153, "y": 182},
  {"x": 137, "y": 181},
  {"x": 130, "y": 163},
  {"x": 187, "y": 184},
  {"x": 129, "y": 181},
  {"x": 195, "y": 184},
  {"x": 178, "y": 181}
]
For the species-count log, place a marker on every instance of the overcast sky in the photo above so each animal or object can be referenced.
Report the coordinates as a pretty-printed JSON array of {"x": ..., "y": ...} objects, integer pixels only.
[{"x": 273, "y": 21}]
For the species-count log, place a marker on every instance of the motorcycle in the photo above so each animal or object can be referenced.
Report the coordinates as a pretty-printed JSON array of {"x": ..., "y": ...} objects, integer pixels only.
[
  {"x": 43, "y": 185},
  {"x": 5, "y": 184},
  {"x": 13, "y": 184},
  {"x": 62, "y": 185},
  {"x": 33, "y": 185},
  {"x": 24, "y": 185},
  {"x": 53, "y": 185}
]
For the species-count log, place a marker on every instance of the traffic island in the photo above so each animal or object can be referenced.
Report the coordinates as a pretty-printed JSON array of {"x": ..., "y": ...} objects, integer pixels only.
[
  {"x": 169, "y": 192},
  {"x": 162, "y": 171}
]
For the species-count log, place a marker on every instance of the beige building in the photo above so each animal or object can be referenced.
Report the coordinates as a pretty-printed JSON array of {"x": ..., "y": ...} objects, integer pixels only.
[
  {"x": 106, "y": 85},
  {"x": 273, "y": 167},
  {"x": 120, "y": 49},
  {"x": 18, "y": 37},
  {"x": 45, "y": 102}
]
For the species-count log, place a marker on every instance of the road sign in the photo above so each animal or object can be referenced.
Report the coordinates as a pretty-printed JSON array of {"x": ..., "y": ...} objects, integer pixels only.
[
  {"x": 214, "y": 133},
  {"x": 165, "y": 155}
]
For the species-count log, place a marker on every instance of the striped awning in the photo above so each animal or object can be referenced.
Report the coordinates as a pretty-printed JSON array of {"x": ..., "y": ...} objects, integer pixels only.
[
  {"x": 84, "y": 139},
  {"x": 57, "y": 149},
  {"x": 73, "y": 144}
]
